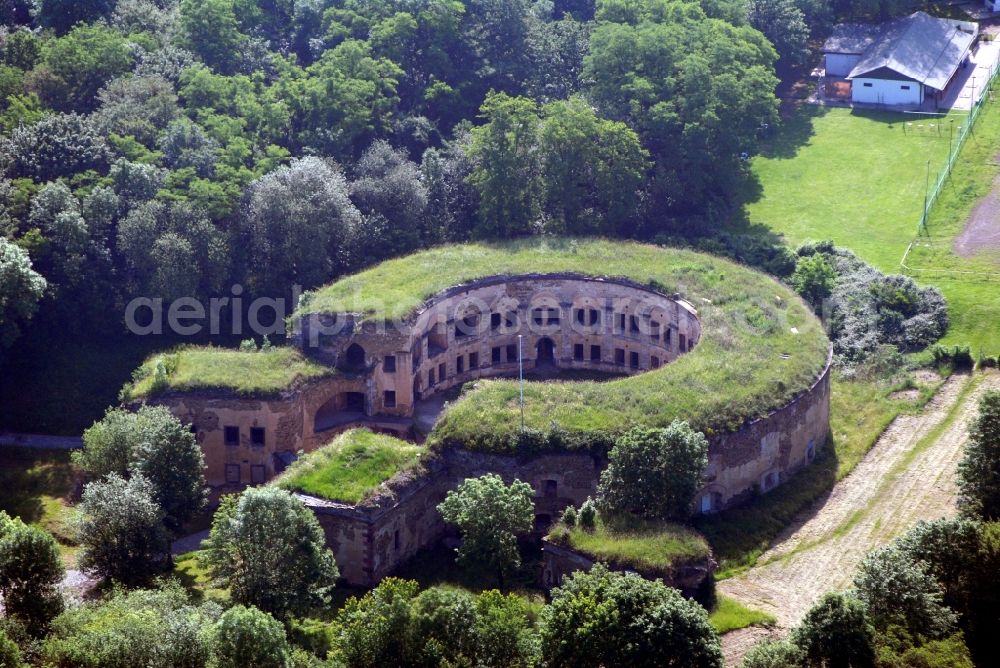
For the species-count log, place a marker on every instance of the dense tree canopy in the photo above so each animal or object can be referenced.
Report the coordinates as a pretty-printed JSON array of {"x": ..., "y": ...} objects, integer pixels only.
[
  {"x": 150, "y": 442},
  {"x": 604, "y": 618},
  {"x": 979, "y": 470},
  {"x": 654, "y": 472},
  {"x": 20, "y": 289},
  {"x": 270, "y": 551},
  {"x": 490, "y": 515}
]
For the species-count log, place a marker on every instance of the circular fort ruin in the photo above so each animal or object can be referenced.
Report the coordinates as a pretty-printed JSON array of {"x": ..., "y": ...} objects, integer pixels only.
[{"x": 651, "y": 334}]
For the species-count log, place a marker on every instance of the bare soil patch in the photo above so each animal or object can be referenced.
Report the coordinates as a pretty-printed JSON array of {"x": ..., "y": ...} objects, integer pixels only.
[
  {"x": 926, "y": 376},
  {"x": 906, "y": 395},
  {"x": 891, "y": 489},
  {"x": 982, "y": 231}
]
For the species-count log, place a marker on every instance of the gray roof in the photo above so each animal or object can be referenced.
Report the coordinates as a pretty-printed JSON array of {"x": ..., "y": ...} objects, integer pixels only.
[
  {"x": 852, "y": 38},
  {"x": 918, "y": 47}
]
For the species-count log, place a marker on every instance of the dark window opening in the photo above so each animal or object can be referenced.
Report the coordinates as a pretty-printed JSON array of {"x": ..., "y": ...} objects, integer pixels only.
[
  {"x": 495, "y": 355},
  {"x": 580, "y": 315},
  {"x": 595, "y": 353},
  {"x": 389, "y": 364},
  {"x": 620, "y": 323},
  {"x": 550, "y": 488},
  {"x": 460, "y": 364},
  {"x": 431, "y": 380},
  {"x": 257, "y": 475},
  {"x": 683, "y": 341},
  {"x": 545, "y": 316},
  {"x": 620, "y": 356},
  {"x": 511, "y": 353},
  {"x": 666, "y": 336},
  {"x": 473, "y": 361},
  {"x": 654, "y": 331},
  {"x": 546, "y": 350},
  {"x": 354, "y": 358},
  {"x": 389, "y": 398},
  {"x": 633, "y": 324},
  {"x": 232, "y": 435},
  {"x": 654, "y": 362},
  {"x": 595, "y": 316},
  {"x": 867, "y": 85},
  {"x": 232, "y": 473},
  {"x": 904, "y": 87},
  {"x": 578, "y": 351},
  {"x": 442, "y": 371},
  {"x": 467, "y": 326},
  {"x": 510, "y": 320},
  {"x": 354, "y": 402},
  {"x": 495, "y": 319},
  {"x": 257, "y": 437},
  {"x": 633, "y": 360}
]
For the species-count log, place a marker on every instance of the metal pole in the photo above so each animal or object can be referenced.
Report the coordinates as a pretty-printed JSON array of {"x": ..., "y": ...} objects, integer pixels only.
[
  {"x": 927, "y": 180},
  {"x": 520, "y": 373}
]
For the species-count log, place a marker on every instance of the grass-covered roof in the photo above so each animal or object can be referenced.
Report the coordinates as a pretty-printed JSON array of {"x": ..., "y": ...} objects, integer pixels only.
[
  {"x": 760, "y": 346},
  {"x": 351, "y": 467},
  {"x": 652, "y": 547},
  {"x": 188, "y": 368}
]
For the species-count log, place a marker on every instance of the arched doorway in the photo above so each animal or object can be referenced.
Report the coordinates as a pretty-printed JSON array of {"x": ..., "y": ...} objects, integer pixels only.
[
  {"x": 341, "y": 409},
  {"x": 546, "y": 351},
  {"x": 353, "y": 359}
]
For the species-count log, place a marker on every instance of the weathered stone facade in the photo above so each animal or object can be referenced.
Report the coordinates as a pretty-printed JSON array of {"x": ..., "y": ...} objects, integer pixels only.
[{"x": 467, "y": 332}]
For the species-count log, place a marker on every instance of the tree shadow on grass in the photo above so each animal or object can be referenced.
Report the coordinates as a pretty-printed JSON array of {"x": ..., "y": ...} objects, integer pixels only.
[{"x": 27, "y": 475}]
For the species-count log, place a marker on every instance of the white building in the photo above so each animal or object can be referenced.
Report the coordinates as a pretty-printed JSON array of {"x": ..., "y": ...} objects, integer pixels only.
[{"x": 901, "y": 62}]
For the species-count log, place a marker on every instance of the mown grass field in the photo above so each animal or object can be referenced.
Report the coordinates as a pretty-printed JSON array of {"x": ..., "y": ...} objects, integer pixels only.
[{"x": 858, "y": 178}]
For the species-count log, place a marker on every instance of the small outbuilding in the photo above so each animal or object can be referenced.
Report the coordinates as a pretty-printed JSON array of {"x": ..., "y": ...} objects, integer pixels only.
[{"x": 902, "y": 62}]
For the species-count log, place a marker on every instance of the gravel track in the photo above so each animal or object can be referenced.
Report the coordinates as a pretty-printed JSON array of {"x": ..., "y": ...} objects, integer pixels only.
[{"x": 904, "y": 478}]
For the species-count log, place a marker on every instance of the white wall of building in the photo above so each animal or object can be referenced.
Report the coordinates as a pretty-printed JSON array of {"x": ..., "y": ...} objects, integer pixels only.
[
  {"x": 841, "y": 64},
  {"x": 886, "y": 91}
]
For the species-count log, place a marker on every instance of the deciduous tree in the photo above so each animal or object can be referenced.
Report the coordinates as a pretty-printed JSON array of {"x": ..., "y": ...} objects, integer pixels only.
[
  {"x": 604, "y": 618},
  {"x": 654, "y": 472},
  {"x": 490, "y": 515},
  {"x": 270, "y": 551},
  {"x": 30, "y": 571},
  {"x": 21, "y": 287},
  {"x": 979, "y": 470}
]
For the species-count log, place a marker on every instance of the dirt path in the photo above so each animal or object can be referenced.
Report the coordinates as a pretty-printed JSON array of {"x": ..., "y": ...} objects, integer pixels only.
[
  {"x": 982, "y": 230},
  {"x": 908, "y": 475}
]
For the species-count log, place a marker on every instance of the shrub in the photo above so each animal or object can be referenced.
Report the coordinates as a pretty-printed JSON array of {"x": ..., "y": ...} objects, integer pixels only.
[
  {"x": 773, "y": 654},
  {"x": 569, "y": 516},
  {"x": 836, "y": 633},
  {"x": 30, "y": 570},
  {"x": 588, "y": 515},
  {"x": 270, "y": 551},
  {"x": 249, "y": 637},
  {"x": 138, "y": 628},
  {"x": 654, "y": 472},
  {"x": 10, "y": 654},
  {"x": 605, "y": 618}
]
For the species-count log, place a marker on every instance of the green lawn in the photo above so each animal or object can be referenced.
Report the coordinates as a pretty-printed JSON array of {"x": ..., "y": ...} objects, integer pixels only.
[
  {"x": 36, "y": 486},
  {"x": 351, "y": 467},
  {"x": 208, "y": 367},
  {"x": 857, "y": 178},
  {"x": 633, "y": 542},
  {"x": 729, "y": 615}
]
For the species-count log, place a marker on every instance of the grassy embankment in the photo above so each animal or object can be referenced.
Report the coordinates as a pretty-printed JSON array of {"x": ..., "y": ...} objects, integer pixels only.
[
  {"x": 351, "y": 467},
  {"x": 858, "y": 178}
]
